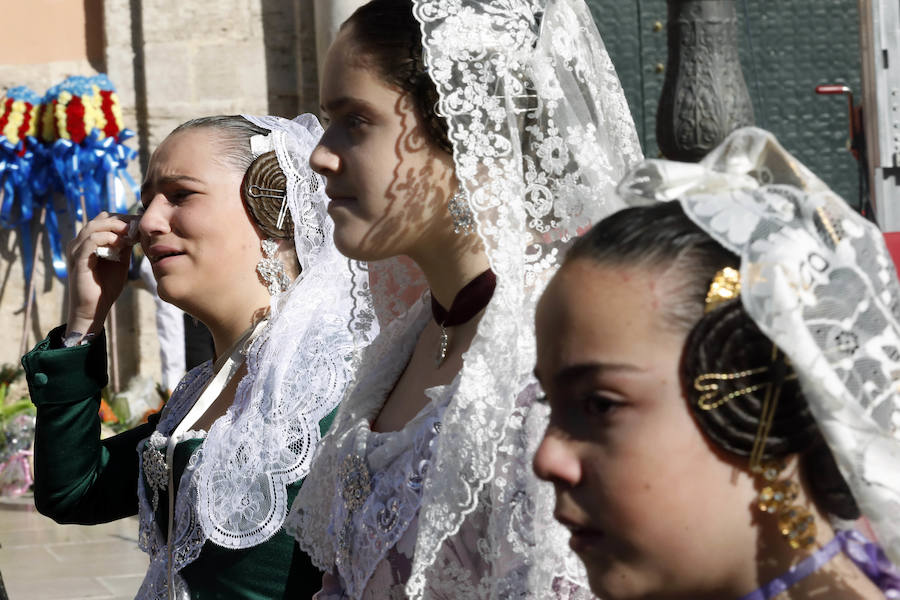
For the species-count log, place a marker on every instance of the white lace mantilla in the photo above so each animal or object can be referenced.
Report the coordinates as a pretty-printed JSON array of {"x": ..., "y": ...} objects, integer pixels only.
[
  {"x": 358, "y": 514},
  {"x": 817, "y": 279}
]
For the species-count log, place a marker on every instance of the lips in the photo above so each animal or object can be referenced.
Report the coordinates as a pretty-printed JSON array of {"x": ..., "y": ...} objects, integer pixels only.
[
  {"x": 339, "y": 197},
  {"x": 158, "y": 253},
  {"x": 584, "y": 536}
]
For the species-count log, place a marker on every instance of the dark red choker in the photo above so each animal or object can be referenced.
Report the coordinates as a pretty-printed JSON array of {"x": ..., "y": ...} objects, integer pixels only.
[{"x": 469, "y": 301}]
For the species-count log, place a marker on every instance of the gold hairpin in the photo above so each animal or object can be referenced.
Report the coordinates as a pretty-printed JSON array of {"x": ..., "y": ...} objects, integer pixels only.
[
  {"x": 709, "y": 400},
  {"x": 725, "y": 286},
  {"x": 712, "y": 399}
]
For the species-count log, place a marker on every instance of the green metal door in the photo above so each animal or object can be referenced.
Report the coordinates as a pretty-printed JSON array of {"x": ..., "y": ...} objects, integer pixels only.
[{"x": 788, "y": 47}]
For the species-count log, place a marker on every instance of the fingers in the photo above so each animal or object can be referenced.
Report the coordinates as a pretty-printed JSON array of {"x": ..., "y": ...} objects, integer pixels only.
[{"x": 105, "y": 230}]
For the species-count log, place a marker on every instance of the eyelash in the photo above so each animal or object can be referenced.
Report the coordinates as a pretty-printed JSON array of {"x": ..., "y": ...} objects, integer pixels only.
[
  {"x": 354, "y": 122},
  {"x": 599, "y": 405},
  {"x": 173, "y": 198}
]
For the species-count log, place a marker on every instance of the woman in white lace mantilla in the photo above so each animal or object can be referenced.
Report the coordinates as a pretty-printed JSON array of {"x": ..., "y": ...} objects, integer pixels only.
[
  {"x": 235, "y": 226},
  {"x": 474, "y": 138},
  {"x": 746, "y": 320}
]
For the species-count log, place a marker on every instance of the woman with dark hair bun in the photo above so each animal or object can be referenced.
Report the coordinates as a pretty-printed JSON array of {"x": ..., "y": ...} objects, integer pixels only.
[
  {"x": 724, "y": 405},
  {"x": 234, "y": 223},
  {"x": 468, "y": 141}
]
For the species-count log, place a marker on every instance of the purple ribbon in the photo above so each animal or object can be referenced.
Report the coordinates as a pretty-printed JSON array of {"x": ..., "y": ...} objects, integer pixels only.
[{"x": 868, "y": 557}]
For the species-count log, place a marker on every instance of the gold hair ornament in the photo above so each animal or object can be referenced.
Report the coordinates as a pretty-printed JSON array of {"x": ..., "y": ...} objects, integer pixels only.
[
  {"x": 777, "y": 496},
  {"x": 725, "y": 286}
]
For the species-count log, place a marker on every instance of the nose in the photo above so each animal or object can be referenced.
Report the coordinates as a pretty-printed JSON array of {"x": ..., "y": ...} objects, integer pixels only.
[
  {"x": 324, "y": 160},
  {"x": 556, "y": 461},
  {"x": 155, "y": 220}
]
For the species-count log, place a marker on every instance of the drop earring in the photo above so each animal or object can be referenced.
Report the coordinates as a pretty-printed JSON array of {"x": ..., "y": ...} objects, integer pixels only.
[
  {"x": 271, "y": 269},
  {"x": 463, "y": 220}
]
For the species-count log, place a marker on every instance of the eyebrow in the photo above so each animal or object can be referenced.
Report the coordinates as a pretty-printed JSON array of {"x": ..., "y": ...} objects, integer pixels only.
[
  {"x": 581, "y": 369},
  {"x": 167, "y": 180},
  {"x": 332, "y": 106}
]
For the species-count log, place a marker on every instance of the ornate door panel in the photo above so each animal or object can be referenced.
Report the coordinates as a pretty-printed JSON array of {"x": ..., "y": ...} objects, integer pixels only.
[{"x": 788, "y": 47}]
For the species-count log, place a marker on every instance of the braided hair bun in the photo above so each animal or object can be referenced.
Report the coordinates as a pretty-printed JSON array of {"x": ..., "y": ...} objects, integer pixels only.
[
  {"x": 726, "y": 341},
  {"x": 263, "y": 189}
]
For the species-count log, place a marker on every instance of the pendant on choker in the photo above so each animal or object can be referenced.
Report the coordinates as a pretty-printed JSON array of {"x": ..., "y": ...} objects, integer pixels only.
[{"x": 469, "y": 301}]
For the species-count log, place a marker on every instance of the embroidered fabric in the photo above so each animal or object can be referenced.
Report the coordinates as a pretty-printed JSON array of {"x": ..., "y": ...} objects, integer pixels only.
[
  {"x": 541, "y": 134},
  {"x": 234, "y": 489},
  {"x": 150, "y": 536},
  {"x": 819, "y": 282}
]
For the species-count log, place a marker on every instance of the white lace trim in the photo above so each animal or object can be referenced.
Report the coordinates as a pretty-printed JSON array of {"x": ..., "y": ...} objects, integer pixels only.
[
  {"x": 312, "y": 515},
  {"x": 534, "y": 181},
  {"x": 298, "y": 369}
]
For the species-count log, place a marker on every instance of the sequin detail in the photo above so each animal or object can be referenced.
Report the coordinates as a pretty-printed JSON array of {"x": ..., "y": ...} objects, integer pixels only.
[
  {"x": 155, "y": 470},
  {"x": 356, "y": 485}
]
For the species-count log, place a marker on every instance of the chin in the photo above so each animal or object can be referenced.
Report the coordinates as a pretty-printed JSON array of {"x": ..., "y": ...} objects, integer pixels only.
[
  {"x": 352, "y": 243},
  {"x": 171, "y": 293},
  {"x": 612, "y": 582}
]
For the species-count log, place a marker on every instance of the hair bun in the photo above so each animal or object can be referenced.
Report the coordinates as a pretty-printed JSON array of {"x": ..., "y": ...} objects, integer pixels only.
[
  {"x": 726, "y": 341},
  {"x": 263, "y": 190}
]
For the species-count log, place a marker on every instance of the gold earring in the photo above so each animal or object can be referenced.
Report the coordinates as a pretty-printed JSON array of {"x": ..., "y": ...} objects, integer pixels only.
[{"x": 796, "y": 524}]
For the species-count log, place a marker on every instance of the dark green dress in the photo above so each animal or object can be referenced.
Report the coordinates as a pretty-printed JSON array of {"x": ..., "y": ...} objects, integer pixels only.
[{"x": 81, "y": 479}]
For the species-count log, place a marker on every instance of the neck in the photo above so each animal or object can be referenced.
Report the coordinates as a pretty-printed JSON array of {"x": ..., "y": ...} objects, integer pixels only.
[
  {"x": 449, "y": 267},
  {"x": 837, "y": 578},
  {"x": 227, "y": 326}
]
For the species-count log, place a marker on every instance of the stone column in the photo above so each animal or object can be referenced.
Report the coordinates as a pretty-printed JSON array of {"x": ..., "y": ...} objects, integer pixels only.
[
  {"x": 329, "y": 16},
  {"x": 704, "y": 96}
]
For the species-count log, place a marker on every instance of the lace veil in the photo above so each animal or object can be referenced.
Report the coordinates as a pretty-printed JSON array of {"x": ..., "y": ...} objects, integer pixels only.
[
  {"x": 541, "y": 134},
  {"x": 297, "y": 369},
  {"x": 818, "y": 280}
]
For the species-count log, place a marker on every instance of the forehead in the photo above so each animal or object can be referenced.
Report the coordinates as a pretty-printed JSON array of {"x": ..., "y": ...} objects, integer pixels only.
[
  {"x": 194, "y": 148},
  {"x": 598, "y": 313},
  {"x": 348, "y": 74}
]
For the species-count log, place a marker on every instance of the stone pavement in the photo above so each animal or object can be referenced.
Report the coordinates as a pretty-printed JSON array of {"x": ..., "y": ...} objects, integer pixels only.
[{"x": 40, "y": 560}]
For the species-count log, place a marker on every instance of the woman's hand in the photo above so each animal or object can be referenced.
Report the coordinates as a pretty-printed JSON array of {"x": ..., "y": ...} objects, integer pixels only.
[{"x": 94, "y": 282}]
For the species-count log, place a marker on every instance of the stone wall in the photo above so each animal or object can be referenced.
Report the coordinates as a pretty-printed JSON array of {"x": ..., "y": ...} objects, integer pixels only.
[{"x": 170, "y": 61}]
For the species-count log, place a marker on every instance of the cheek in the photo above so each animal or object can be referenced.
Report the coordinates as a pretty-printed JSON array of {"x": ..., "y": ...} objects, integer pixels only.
[{"x": 672, "y": 503}]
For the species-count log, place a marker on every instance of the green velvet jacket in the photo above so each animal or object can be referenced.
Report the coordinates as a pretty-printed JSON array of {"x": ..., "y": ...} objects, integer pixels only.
[{"x": 81, "y": 479}]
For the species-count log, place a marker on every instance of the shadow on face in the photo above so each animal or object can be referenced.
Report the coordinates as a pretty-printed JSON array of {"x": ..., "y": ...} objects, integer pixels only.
[{"x": 389, "y": 183}]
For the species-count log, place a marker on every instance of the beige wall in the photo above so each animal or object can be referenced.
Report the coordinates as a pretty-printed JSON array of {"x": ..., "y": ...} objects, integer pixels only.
[{"x": 68, "y": 30}]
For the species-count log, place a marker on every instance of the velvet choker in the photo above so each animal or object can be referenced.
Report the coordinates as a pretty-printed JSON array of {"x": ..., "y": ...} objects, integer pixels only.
[{"x": 469, "y": 301}]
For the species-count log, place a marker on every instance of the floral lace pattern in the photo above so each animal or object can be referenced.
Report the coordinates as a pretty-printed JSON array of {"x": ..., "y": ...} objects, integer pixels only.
[
  {"x": 367, "y": 542},
  {"x": 533, "y": 182},
  {"x": 819, "y": 282},
  {"x": 541, "y": 134},
  {"x": 298, "y": 368}
]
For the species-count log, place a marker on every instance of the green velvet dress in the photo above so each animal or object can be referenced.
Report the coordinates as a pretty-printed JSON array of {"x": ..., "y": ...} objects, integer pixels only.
[{"x": 81, "y": 479}]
